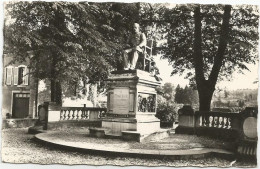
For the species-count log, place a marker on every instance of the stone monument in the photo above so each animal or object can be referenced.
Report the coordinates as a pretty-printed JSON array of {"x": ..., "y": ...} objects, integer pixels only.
[{"x": 131, "y": 105}]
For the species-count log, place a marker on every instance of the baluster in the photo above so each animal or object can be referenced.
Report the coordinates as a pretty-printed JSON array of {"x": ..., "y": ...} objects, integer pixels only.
[
  {"x": 211, "y": 121},
  {"x": 205, "y": 121},
  {"x": 79, "y": 114},
  {"x": 61, "y": 115},
  {"x": 87, "y": 114},
  {"x": 99, "y": 115},
  {"x": 229, "y": 123},
  {"x": 225, "y": 122},
  {"x": 220, "y": 119},
  {"x": 200, "y": 121}
]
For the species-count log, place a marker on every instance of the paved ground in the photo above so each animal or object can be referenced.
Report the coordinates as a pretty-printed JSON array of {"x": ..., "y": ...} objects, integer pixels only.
[
  {"x": 175, "y": 145},
  {"x": 19, "y": 147}
]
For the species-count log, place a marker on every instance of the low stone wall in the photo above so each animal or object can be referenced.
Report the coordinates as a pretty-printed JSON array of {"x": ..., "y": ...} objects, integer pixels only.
[
  {"x": 73, "y": 124},
  {"x": 240, "y": 128},
  {"x": 18, "y": 123}
]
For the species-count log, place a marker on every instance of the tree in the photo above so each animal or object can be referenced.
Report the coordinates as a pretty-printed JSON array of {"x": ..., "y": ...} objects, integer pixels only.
[
  {"x": 66, "y": 41},
  {"x": 209, "y": 43},
  {"x": 168, "y": 91},
  {"x": 186, "y": 96},
  {"x": 178, "y": 94}
]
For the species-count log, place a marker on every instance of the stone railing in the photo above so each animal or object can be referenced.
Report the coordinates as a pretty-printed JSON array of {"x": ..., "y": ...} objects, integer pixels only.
[
  {"x": 217, "y": 120},
  {"x": 81, "y": 113},
  {"x": 241, "y": 128},
  {"x": 217, "y": 124}
]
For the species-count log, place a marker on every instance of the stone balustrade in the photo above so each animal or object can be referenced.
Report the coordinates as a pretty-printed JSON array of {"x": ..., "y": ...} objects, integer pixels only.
[
  {"x": 239, "y": 127},
  {"x": 218, "y": 124},
  {"x": 217, "y": 120},
  {"x": 81, "y": 113}
]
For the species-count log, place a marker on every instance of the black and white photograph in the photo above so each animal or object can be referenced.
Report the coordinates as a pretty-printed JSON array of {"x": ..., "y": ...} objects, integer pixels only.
[{"x": 122, "y": 84}]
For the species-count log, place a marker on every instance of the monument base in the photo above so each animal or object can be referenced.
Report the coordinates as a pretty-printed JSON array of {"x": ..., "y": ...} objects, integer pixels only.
[
  {"x": 134, "y": 129},
  {"x": 131, "y": 106}
]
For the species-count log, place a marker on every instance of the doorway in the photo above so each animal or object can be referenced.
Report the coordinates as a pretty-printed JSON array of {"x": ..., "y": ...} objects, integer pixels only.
[{"x": 20, "y": 105}]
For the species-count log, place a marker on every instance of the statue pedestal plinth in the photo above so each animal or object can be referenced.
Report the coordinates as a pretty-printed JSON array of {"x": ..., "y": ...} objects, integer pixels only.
[{"x": 131, "y": 106}]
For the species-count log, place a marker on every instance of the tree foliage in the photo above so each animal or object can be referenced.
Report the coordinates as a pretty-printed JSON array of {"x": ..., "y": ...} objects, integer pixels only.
[
  {"x": 242, "y": 38},
  {"x": 68, "y": 41},
  {"x": 209, "y": 43},
  {"x": 167, "y": 91},
  {"x": 186, "y": 95}
]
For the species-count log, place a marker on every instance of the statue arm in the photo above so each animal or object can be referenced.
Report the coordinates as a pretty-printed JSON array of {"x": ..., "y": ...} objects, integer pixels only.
[{"x": 143, "y": 42}]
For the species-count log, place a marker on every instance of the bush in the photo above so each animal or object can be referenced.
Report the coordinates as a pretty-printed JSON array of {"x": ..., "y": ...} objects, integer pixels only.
[{"x": 166, "y": 111}]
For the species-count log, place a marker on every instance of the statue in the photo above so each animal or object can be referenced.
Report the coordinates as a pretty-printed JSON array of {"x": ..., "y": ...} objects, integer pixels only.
[{"x": 137, "y": 42}]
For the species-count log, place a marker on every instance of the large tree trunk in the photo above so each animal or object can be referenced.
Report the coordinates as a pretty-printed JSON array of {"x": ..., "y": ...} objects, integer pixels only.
[
  {"x": 205, "y": 97},
  {"x": 56, "y": 92},
  {"x": 206, "y": 87}
]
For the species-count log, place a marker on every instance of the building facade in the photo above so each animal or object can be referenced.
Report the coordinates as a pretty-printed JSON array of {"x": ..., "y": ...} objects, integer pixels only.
[{"x": 18, "y": 90}]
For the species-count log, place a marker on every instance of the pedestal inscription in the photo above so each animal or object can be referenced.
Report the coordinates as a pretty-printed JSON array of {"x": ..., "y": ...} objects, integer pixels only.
[{"x": 121, "y": 101}]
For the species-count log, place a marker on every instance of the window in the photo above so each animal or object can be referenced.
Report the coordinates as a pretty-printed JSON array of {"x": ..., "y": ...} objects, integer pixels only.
[
  {"x": 16, "y": 75},
  {"x": 20, "y": 75}
]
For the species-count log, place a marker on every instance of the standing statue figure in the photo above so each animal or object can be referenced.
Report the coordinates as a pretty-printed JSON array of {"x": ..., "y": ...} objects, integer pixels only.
[{"x": 136, "y": 41}]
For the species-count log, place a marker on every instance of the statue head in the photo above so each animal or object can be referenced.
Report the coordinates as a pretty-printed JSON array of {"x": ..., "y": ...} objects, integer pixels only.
[{"x": 136, "y": 27}]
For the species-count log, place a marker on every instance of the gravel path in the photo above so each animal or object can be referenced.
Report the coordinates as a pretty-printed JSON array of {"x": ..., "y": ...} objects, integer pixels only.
[{"x": 19, "y": 147}]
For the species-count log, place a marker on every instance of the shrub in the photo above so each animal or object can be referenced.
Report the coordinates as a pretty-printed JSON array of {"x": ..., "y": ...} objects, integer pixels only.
[{"x": 166, "y": 111}]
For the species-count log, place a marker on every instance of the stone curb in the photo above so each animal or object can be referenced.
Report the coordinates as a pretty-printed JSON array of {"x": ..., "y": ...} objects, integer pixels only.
[{"x": 195, "y": 153}]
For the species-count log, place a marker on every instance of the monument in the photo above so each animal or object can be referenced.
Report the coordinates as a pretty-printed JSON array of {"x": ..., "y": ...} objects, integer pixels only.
[{"x": 131, "y": 103}]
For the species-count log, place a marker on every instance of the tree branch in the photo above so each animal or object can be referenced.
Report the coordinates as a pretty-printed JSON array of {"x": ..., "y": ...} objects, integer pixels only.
[
  {"x": 197, "y": 55},
  {"x": 218, "y": 59}
]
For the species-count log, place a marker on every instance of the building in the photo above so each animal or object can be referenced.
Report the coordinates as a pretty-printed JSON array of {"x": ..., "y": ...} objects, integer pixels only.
[{"x": 18, "y": 90}]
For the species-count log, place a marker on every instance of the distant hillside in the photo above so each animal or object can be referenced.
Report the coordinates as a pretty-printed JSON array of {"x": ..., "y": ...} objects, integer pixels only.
[{"x": 235, "y": 98}]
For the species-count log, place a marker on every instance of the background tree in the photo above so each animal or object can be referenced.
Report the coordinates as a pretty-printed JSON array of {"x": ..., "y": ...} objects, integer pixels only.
[
  {"x": 168, "y": 91},
  {"x": 209, "y": 43},
  {"x": 179, "y": 94},
  {"x": 186, "y": 96}
]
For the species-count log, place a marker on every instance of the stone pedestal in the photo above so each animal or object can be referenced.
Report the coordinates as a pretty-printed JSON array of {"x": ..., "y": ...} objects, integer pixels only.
[
  {"x": 131, "y": 106},
  {"x": 186, "y": 121}
]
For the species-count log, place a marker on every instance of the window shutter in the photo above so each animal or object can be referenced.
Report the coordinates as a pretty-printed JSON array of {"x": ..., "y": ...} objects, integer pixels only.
[
  {"x": 26, "y": 74},
  {"x": 15, "y": 75},
  {"x": 8, "y": 76}
]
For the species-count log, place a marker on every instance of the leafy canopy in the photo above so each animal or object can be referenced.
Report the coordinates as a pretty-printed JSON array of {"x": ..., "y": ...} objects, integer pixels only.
[
  {"x": 179, "y": 34},
  {"x": 68, "y": 41}
]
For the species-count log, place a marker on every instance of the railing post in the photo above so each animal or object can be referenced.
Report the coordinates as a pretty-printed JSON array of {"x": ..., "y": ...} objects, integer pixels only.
[
  {"x": 43, "y": 115},
  {"x": 186, "y": 120},
  {"x": 248, "y": 133}
]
